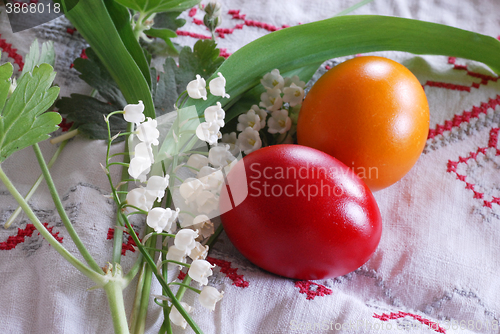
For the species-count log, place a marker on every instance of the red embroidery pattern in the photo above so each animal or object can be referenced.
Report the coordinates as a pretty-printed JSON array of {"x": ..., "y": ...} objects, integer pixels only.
[
  {"x": 181, "y": 276},
  {"x": 64, "y": 125},
  {"x": 465, "y": 117},
  {"x": 225, "y": 268},
  {"x": 12, "y": 53},
  {"x": 129, "y": 246},
  {"x": 432, "y": 325},
  {"x": 312, "y": 290},
  {"x": 19, "y": 238},
  {"x": 452, "y": 167}
]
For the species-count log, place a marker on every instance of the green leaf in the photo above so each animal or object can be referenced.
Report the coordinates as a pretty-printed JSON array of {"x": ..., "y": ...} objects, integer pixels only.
[
  {"x": 203, "y": 60},
  {"x": 93, "y": 72},
  {"x": 149, "y": 7},
  {"x": 6, "y": 71},
  {"x": 94, "y": 23},
  {"x": 35, "y": 57},
  {"x": 23, "y": 121},
  {"x": 88, "y": 113},
  {"x": 168, "y": 20},
  {"x": 121, "y": 18},
  {"x": 164, "y": 34},
  {"x": 306, "y": 44}
]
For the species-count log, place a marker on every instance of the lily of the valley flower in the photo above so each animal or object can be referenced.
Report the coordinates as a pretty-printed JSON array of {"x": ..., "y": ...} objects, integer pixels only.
[
  {"x": 200, "y": 270},
  {"x": 190, "y": 188},
  {"x": 273, "y": 80},
  {"x": 176, "y": 317},
  {"x": 207, "y": 202},
  {"x": 140, "y": 164},
  {"x": 249, "y": 119},
  {"x": 199, "y": 252},
  {"x": 211, "y": 178},
  {"x": 134, "y": 113},
  {"x": 249, "y": 140},
  {"x": 196, "y": 89},
  {"x": 279, "y": 122},
  {"x": 185, "y": 240},
  {"x": 215, "y": 114},
  {"x": 293, "y": 95},
  {"x": 156, "y": 186},
  {"x": 161, "y": 219},
  {"x": 208, "y": 132},
  {"x": 147, "y": 132},
  {"x": 271, "y": 99},
  {"x": 220, "y": 156},
  {"x": 262, "y": 115},
  {"x": 218, "y": 86},
  {"x": 139, "y": 198},
  {"x": 209, "y": 296},
  {"x": 176, "y": 254},
  {"x": 203, "y": 224},
  {"x": 229, "y": 138},
  {"x": 296, "y": 80},
  {"x": 197, "y": 161}
]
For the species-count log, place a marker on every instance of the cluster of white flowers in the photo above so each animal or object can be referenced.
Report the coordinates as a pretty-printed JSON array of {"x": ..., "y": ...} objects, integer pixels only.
[
  {"x": 282, "y": 101},
  {"x": 200, "y": 193},
  {"x": 209, "y": 130}
]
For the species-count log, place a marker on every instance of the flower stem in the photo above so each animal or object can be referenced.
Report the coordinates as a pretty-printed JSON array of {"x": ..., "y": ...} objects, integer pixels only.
[
  {"x": 97, "y": 278},
  {"x": 62, "y": 213},
  {"x": 36, "y": 184},
  {"x": 114, "y": 293}
]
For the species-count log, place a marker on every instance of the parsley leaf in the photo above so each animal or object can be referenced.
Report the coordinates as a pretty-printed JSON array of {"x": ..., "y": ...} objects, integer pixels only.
[
  {"x": 204, "y": 60},
  {"x": 22, "y": 118}
]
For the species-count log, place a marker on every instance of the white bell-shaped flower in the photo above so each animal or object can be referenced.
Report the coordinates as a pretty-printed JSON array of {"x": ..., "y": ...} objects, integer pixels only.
[
  {"x": 197, "y": 161},
  {"x": 203, "y": 224},
  {"x": 220, "y": 156},
  {"x": 140, "y": 164},
  {"x": 212, "y": 178},
  {"x": 190, "y": 188},
  {"x": 293, "y": 95},
  {"x": 249, "y": 140},
  {"x": 249, "y": 119},
  {"x": 147, "y": 132},
  {"x": 200, "y": 270},
  {"x": 279, "y": 122},
  {"x": 262, "y": 115},
  {"x": 176, "y": 317},
  {"x": 295, "y": 80},
  {"x": 185, "y": 240},
  {"x": 215, "y": 114},
  {"x": 208, "y": 132},
  {"x": 199, "y": 252},
  {"x": 218, "y": 86},
  {"x": 139, "y": 198},
  {"x": 207, "y": 202},
  {"x": 161, "y": 219},
  {"x": 157, "y": 185},
  {"x": 271, "y": 99},
  {"x": 273, "y": 80},
  {"x": 134, "y": 113},
  {"x": 176, "y": 254},
  {"x": 196, "y": 89},
  {"x": 209, "y": 296},
  {"x": 229, "y": 138}
]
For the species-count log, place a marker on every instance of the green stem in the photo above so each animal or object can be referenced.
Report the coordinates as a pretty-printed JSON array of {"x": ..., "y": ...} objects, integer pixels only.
[
  {"x": 134, "y": 317},
  {"x": 163, "y": 283},
  {"x": 114, "y": 293},
  {"x": 186, "y": 286},
  {"x": 118, "y": 236},
  {"x": 97, "y": 278},
  {"x": 62, "y": 213},
  {"x": 36, "y": 185}
]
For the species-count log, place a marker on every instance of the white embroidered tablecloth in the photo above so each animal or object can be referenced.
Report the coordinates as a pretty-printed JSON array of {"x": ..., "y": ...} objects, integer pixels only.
[{"x": 438, "y": 263}]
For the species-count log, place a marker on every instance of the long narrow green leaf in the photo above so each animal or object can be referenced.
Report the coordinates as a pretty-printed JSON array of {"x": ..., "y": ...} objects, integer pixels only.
[
  {"x": 94, "y": 23},
  {"x": 121, "y": 18},
  {"x": 299, "y": 46}
]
